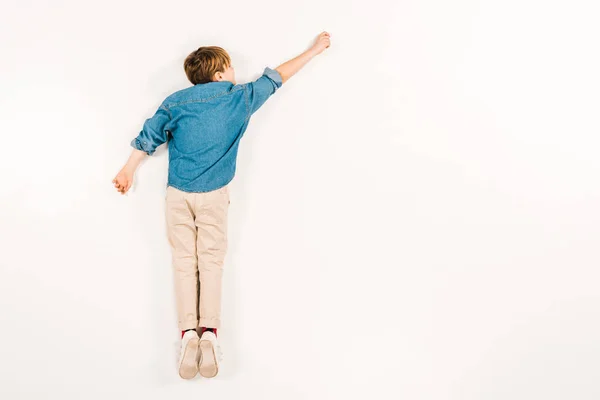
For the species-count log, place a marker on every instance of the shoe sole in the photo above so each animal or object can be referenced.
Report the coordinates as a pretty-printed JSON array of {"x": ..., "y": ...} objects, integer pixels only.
[
  {"x": 189, "y": 363},
  {"x": 208, "y": 363}
]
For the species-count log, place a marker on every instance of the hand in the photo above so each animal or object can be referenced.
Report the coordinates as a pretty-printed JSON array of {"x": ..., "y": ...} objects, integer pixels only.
[
  {"x": 123, "y": 180},
  {"x": 322, "y": 43}
]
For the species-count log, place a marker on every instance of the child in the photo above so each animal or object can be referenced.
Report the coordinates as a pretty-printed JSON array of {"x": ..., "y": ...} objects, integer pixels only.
[{"x": 203, "y": 125}]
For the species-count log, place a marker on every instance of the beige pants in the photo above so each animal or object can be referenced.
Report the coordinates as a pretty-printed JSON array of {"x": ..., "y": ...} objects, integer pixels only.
[{"x": 197, "y": 231}]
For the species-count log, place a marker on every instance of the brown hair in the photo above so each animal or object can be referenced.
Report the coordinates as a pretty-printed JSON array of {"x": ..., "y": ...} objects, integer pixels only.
[{"x": 202, "y": 64}]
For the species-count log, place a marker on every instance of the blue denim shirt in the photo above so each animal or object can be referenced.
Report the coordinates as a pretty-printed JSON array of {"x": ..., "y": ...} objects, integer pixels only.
[{"x": 203, "y": 125}]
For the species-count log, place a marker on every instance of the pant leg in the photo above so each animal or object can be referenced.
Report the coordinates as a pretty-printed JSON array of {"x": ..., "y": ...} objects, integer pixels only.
[
  {"x": 211, "y": 223},
  {"x": 181, "y": 231}
]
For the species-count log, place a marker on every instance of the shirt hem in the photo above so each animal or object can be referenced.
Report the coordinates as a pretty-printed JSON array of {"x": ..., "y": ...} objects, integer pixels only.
[{"x": 197, "y": 191}]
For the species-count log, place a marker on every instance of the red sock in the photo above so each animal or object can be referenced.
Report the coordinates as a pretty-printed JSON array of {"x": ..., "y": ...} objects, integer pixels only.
[
  {"x": 183, "y": 332},
  {"x": 213, "y": 330}
]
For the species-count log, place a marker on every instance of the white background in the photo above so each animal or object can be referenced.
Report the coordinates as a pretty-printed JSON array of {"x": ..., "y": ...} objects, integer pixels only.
[{"x": 415, "y": 214}]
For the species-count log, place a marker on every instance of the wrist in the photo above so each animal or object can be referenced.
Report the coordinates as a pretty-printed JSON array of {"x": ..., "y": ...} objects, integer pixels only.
[{"x": 129, "y": 168}]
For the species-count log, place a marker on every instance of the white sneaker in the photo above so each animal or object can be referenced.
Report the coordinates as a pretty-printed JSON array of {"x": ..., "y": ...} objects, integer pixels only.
[
  {"x": 211, "y": 355},
  {"x": 188, "y": 359}
]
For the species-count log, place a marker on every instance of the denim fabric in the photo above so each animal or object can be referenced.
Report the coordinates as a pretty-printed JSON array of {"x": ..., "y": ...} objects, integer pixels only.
[{"x": 203, "y": 125}]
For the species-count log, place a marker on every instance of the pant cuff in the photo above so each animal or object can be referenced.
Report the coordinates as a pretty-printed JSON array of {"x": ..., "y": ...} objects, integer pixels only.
[
  {"x": 210, "y": 322},
  {"x": 188, "y": 325}
]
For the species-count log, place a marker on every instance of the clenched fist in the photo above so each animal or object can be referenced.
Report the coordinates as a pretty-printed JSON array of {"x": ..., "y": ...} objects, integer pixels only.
[
  {"x": 322, "y": 42},
  {"x": 123, "y": 180}
]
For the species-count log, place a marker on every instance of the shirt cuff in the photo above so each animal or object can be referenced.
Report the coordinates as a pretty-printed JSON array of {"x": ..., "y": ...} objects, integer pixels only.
[
  {"x": 141, "y": 145},
  {"x": 274, "y": 75}
]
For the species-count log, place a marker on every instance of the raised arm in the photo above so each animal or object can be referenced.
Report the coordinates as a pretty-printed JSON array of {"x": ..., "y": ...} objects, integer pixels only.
[
  {"x": 258, "y": 91},
  {"x": 289, "y": 68}
]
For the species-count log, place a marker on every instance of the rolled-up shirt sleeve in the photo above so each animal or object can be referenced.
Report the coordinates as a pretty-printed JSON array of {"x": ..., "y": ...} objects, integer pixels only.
[
  {"x": 154, "y": 132},
  {"x": 260, "y": 90}
]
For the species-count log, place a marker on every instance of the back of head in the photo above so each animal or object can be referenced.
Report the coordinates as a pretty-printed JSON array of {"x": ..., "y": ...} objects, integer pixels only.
[{"x": 202, "y": 64}]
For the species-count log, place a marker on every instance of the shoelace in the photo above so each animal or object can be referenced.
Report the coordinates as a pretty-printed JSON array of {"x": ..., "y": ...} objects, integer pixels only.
[{"x": 218, "y": 350}]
